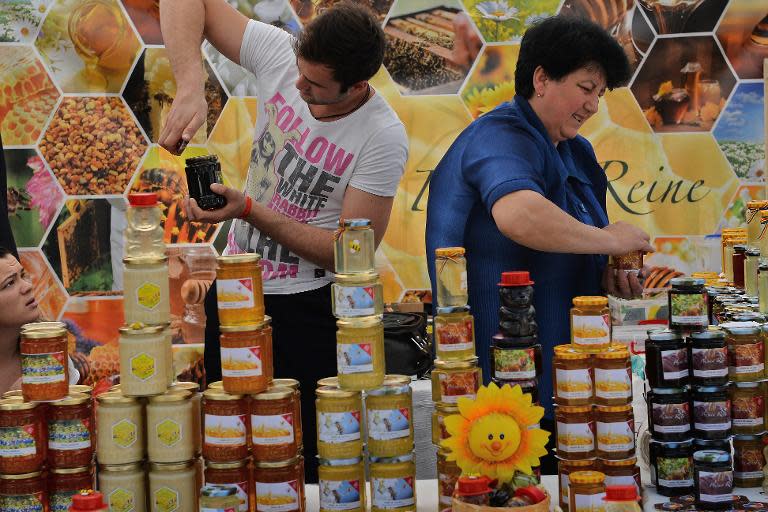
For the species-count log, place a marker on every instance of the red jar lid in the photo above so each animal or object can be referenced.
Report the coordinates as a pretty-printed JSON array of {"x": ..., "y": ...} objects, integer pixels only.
[
  {"x": 516, "y": 278},
  {"x": 142, "y": 199},
  {"x": 533, "y": 493},
  {"x": 621, "y": 493},
  {"x": 88, "y": 500},
  {"x": 473, "y": 485}
]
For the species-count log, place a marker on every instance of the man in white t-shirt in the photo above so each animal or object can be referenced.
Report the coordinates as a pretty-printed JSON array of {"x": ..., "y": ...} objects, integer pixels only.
[{"x": 327, "y": 146}]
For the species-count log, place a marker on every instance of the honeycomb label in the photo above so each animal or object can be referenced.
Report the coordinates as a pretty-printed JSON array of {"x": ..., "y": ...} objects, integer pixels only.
[
  {"x": 166, "y": 500},
  {"x": 148, "y": 295},
  {"x": 142, "y": 366},
  {"x": 121, "y": 500},
  {"x": 124, "y": 433},
  {"x": 168, "y": 432}
]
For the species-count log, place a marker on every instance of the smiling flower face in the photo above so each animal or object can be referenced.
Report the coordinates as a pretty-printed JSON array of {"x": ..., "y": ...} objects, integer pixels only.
[{"x": 497, "y": 433}]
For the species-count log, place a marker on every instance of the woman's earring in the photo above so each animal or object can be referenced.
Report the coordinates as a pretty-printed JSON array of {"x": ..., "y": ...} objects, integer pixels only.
[{"x": 538, "y": 95}]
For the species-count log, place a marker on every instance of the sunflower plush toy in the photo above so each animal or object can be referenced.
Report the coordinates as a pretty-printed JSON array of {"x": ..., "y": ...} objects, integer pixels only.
[{"x": 497, "y": 434}]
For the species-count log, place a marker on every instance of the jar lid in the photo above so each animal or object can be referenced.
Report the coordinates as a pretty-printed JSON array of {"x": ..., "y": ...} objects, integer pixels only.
[
  {"x": 711, "y": 333},
  {"x": 227, "y": 465},
  {"x": 620, "y": 463},
  {"x": 614, "y": 408},
  {"x": 139, "y": 261},
  {"x": 22, "y": 476},
  {"x": 139, "y": 329},
  {"x": 112, "y": 397},
  {"x": 290, "y": 383},
  {"x": 392, "y": 385},
  {"x": 339, "y": 462},
  {"x": 71, "y": 399},
  {"x": 182, "y": 385},
  {"x": 686, "y": 281},
  {"x": 763, "y": 215},
  {"x": 273, "y": 393},
  {"x": 247, "y": 327},
  {"x": 171, "y": 396},
  {"x": 218, "y": 491},
  {"x": 517, "y": 278},
  {"x": 331, "y": 392},
  {"x": 71, "y": 471},
  {"x": 569, "y": 353},
  {"x": 590, "y": 301},
  {"x": 362, "y": 322},
  {"x": 171, "y": 466},
  {"x": 586, "y": 477},
  {"x": 573, "y": 409},
  {"x": 449, "y": 252},
  {"x": 753, "y": 251},
  {"x": 408, "y": 457},
  {"x": 664, "y": 335},
  {"x": 203, "y": 159},
  {"x": 739, "y": 248},
  {"x": 278, "y": 464},
  {"x": 577, "y": 463},
  {"x": 742, "y": 328},
  {"x": 446, "y": 408},
  {"x": 81, "y": 388},
  {"x": 16, "y": 403},
  {"x": 354, "y": 223},
  {"x": 668, "y": 391},
  {"x": 218, "y": 384},
  {"x": 447, "y": 310},
  {"x": 142, "y": 199},
  {"x": 13, "y": 393},
  {"x": 43, "y": 326},
  {"x": 221, "y": 395},
  {"x": 533, "y": 493},
  {"x": 711, "y": 456},
  {"x": 755, "y": 438},
  {"x": 329, "y": 382},
  {"x": 709, "y": 389},
  {"x": 461, "y": 364},
  {"x": 121, "y": 468},
  {"x": 473, "y": 485},
  {"x": 688, "y": 443},
  {"x": 362, "y": 277},
  {"x": 235, "y": 259},
  {"x": 40, "y": 334},
  {"x": 614, "y": 352}
]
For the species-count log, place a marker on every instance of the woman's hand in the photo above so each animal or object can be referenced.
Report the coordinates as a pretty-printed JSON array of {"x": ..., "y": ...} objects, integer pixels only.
[
  {"x": 626, "y": 238},
  {"x": 233, "y": 209}
]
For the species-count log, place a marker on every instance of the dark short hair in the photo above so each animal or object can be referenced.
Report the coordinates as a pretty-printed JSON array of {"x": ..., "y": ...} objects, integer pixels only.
[
  {"x": 347, "y": 38},
  {"x": 561, "y": 45},
  {"x": 4, "y": 251}
]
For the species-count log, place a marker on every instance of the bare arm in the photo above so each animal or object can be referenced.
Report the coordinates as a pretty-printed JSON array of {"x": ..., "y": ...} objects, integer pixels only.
[{"x": 531, "y": 220}]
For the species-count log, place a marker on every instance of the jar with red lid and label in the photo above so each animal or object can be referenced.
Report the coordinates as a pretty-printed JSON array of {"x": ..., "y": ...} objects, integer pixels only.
[
  {"x": 517, "y": 316},
  {"x": 575, "y": 432},
  {"x": 615, "y": 432},
  {"x": 235, "y": 474},
  {"x": 23, "y": 493},
  {"x": 65, "y": 483},
  {"x": 70, "y": 432},
  {"x": 273, "y": 426},
  {"x": 573, "y": 378},
  {"x": 23, "y": 445},
  {"x": 225, "y": 427},
  {"x": 613, "y": 376},
  {"x": 282, "y": 481}
]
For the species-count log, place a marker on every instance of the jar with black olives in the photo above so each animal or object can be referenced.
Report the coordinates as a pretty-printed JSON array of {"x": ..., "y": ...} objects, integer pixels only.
[
  {"x": 713, "y": 476},
  {"x": 709, "y": 358},
  {"x": 669, "y": 411},
  {"x": 666, "y": 356},
  {"x": 711, "y": 412},
  {"x": 672, "y": 467}
]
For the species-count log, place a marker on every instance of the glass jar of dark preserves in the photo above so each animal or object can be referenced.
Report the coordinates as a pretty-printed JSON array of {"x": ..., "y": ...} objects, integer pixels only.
[
  {"x": 713, "y": 476},
  {"x": 712, "y": 444},
  {"x": 711, "y": 412},
  {"x": 666, "y": 356},
  {"x": 709, "y": 358},
  {"x": 687, "y": 302},
  {"x": 672, "y": 468},
  {"x": 202, "y": 171},
  {"x": 670, "y": 414}
]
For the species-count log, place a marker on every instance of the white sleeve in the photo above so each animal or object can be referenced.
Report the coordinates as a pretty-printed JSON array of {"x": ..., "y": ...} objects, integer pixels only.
[
  {"x": 265, "y": 49},
  {"x": 382, "y": 162}
]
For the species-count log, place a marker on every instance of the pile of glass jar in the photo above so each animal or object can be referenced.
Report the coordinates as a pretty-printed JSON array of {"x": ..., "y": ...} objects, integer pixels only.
[
  {"x": 362, "y": 394},
  {"x": 592, "y": 381},
  {"x": 47, "y": 446},
  {"x": 455, "y": 374}
]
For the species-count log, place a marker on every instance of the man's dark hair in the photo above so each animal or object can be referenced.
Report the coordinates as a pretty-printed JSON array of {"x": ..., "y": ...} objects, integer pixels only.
[
  {"x": 347, "y": 38},
  {"x": 4, "y": 252},
  {"x": 561, "y": 45}
]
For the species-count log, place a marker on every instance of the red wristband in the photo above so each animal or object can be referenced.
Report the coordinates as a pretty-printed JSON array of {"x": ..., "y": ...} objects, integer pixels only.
[{"x": 247, "y": 209}]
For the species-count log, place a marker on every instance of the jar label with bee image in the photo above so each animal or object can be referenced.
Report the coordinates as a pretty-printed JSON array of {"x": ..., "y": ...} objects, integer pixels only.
[
  {"x": 353, "y": 301},
  {"x": 234, "y": 293},
  {"x": 277, "y": 497},
  {"x": 615, "y": 437},
  {"x": 573, "y": 383},
  {"x": 575, "y": 437},
  {"x": 338, "y": 427},
  {"x": 591, "y": 330},
  {"x": 613, "y": 383},
  {"x": 710, "y": 362},
  {"x": 148, "y": 295},
  {"x": 393, "y": 492},
  {"x": 241, "y": 362},
  {"x": 225, "y": 430},
  {"x": 354, "y": 358},
  {"x": 340, "y": 494},
  {"x": 386, "y": 424},
  {"x": 272, "y": 429}
]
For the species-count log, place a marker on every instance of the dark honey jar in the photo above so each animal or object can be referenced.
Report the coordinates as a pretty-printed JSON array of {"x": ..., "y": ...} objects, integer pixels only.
[{"x": 201, "y": 172}]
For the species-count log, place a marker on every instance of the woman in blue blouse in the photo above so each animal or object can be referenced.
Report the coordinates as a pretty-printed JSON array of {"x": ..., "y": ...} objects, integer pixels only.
[{"x": 519, "y": 189}]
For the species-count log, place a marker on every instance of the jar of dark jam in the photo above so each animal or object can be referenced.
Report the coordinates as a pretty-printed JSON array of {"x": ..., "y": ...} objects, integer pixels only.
[
  {"x": 666, "y": 356},
  {"x": 709, "y": 358},
  {"x": 713, "y": 476},
  {"x": 517, "y": 316},
  {"x": 711, "y": 412},
  {"x": 687, "y": 302},
  {"x": 747, "y": 408},
  {"x": 201, "y": 172},
  {"x": 669, "y": 411},
  {"x": 748, "y": 461},
  {"x": 712, "y": 444},
  {"x": 672, "y": 468},
  {"x": 739, "y": 253}
]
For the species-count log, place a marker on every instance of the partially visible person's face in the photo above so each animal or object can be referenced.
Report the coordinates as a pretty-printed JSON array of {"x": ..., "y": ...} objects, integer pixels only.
[
  {"x": 18, "y": 303},
  {"x": 316, "y": 84},
  {"x": 566, "y": 104}
]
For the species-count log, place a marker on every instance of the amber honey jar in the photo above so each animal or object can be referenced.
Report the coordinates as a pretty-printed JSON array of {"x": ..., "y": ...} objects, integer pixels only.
[
  {"x": 613, "y": 376},
  {"x": 573, "y": 376},
  {"x": 586, "y": 491},
  {"x": 239, "y": 291},
  {"x": 280, "y": 483},
  {"x": 273, "y": 425},
  {"x": 575, "y": 432},
  {"x": 236, "y": 474},
  {"x": 225, "y": 426},
  {"x": 615, "y": 432},
  {"x": 590, "y": 324},
  {"x": 246, "y": 357},
  {"x": 564, "y": 470}
]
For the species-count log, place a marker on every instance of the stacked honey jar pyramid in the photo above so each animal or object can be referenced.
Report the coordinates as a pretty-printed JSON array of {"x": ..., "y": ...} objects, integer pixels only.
[
  {"x": 592, "y": 380},
  {"x": 455, "y": 374},
  {"x": 363, "y": 414}
]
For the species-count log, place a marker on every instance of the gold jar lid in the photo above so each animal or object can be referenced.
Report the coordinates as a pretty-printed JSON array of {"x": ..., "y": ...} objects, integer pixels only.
[
  {"x": 216, "y": 385},
  {"x": 16, "y": 403},
  {"x": 70, "y": 471},
  {"x": 34, "y": 326},
  {"x": 290, "y": 383},
  {"x": 595, "y": 300},
  {"x": 220, "y": 394},
  {"x": 71, "y": 399},
  {"x": 332, "y": 382},
  {"x": 139, "y": 329},
  {"x": 114, "y": 397},
  {"x": 247, "y": 327},
  {"x": 171, "y": 466},
  {"x": 81, "y": 388},
  {"x": 449, "y": 252},
  {"x": 620, "y": 463},
  {"x": 614, "y": 408},
  {"x": 273, "y": 393},
  {"x": 577, "y": 463},
  {"x": 460, "y": 364},
  {"x": 570, "y": 354},
  {"x": 23, "y": 476},
  {"x": 171, "y": 396},
  {"x": 13, "y": 393},
  {"x": 446, "y": 408},
  {"x": 227, "y": 465},
  {"x": 362, "y": 322},
  {"x": 121, "y": 468},
  {"x": 396, "y": 380},
  {"x": 192, "y": 387},
  {"x": 278, "y": 464},
  {"x": 330, "y": 392},
  {"x": 574, "y": 409},
  {"x": 143, "y": 261},
  {"x": 587, "y": 477},
  {"x": 614, "y": 352},
  {"x": 362, "y": 278},
  {"x": 41, "y": 334},
  {"x": 236, "y": 259}
]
